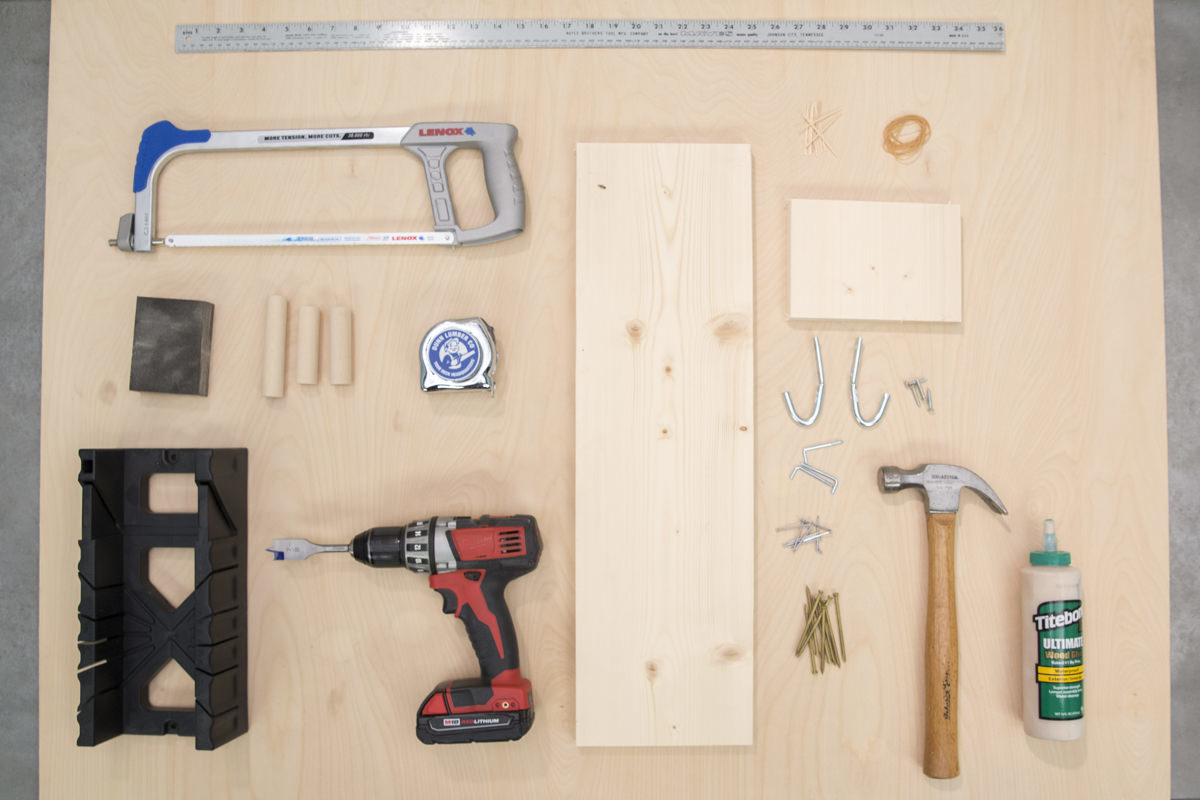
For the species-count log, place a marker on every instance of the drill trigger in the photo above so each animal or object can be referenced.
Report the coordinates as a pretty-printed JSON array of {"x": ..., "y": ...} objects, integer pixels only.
[{"x": 449, "y": 600}]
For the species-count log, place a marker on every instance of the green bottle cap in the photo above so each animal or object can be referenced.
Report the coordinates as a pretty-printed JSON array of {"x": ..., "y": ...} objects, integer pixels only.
[{"x": 1049, "y": 555}]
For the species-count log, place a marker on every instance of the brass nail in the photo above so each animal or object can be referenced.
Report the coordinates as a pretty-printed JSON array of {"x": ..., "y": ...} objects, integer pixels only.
[
  {"x": 818, "y": 610},
  {"x": 803, "y": 641},
  {"x": 807, "y": 639},
  {"x": 821, "y": 647},
  {"x": 837, "y": 606},
  {"x": 809, "y": 627},
  {"x": 808, "y": 610},
  {"x": 827, "y": 629}
]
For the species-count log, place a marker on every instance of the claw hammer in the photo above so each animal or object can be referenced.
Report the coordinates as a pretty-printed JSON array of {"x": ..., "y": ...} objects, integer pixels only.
[{"x": 940, "y": 484}]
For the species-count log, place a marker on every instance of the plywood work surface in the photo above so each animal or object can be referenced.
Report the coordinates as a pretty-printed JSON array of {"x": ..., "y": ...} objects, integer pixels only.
[
  {"x": 1051, "y": 388},
  {"x": 861, "y": 260},
  {"x": 664, "y": 407}
]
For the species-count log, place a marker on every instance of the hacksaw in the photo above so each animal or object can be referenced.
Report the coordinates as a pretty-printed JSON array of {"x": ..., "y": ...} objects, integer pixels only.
[{"x": 432, "y": 142}]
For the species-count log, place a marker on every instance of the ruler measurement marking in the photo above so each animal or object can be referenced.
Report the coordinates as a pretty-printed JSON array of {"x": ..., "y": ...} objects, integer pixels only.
[{"x": 591, "y": 33}]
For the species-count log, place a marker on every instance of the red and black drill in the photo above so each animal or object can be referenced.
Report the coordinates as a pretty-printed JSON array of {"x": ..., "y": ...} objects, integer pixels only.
[{"x": 469, "y": 562}]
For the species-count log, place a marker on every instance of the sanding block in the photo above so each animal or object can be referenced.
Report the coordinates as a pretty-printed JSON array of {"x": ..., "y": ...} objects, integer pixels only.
[{"x": 172, "y": 340}]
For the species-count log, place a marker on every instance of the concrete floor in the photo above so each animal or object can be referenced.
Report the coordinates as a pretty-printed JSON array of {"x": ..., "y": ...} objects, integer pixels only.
[
  {"x": 24, "y": 53},
  {"x": 1177, "y": 30}
]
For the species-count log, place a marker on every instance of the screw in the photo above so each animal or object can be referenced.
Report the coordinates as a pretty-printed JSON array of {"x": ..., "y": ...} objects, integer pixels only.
[{"x": 916, "y": 393}]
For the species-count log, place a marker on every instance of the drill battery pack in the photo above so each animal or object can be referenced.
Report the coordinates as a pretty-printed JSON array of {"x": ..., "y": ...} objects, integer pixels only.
[{"x": 470, "y": 711}]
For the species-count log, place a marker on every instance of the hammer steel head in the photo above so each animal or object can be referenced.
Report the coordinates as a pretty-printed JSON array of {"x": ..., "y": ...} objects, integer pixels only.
[{"x": 942, "y": 483}]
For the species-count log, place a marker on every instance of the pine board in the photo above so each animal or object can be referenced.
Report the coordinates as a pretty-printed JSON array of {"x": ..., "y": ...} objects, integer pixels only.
[
  {"x": 664, "y": 445},
  {"x": 864, "y": 260},
  {"x": 1051, "y": 151}
]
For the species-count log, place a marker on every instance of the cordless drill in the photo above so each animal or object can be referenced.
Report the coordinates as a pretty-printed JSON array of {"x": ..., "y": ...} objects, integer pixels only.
[{"x": 469, "y": 563}]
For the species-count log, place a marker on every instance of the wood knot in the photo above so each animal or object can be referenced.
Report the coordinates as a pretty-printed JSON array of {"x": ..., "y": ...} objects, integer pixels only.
[
  {"x": 634, "y": 330},
  {"x": 727, "y": 327},
  {"x": 651, "y": 670},
  {"x": 743, "y": 428},
  {"x": 728, "y": 652}
]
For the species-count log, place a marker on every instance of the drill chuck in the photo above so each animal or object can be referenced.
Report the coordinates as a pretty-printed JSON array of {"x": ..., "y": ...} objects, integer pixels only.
[
  {"x": 422, "y": 546},
  {"x": 379, "y": 547}
]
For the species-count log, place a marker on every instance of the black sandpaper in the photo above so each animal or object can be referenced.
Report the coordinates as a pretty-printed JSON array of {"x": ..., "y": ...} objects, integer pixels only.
[{"x": 172, "y": 340}]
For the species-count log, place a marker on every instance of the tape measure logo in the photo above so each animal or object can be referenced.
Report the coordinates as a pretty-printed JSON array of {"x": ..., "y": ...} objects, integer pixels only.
[{"x": 454, "y": 354}]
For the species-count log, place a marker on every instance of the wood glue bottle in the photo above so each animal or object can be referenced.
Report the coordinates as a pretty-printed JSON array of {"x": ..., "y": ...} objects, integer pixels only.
[{"x": 1052, "y": 642}]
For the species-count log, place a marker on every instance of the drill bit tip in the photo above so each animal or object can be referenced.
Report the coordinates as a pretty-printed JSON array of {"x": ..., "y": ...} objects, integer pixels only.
[{"x": 299, "y": 549}]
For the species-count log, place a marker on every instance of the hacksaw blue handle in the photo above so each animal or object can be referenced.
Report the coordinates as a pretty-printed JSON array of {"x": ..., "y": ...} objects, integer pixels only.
[
  {"x": 156, "y": 140},
  {"x": 435, "y": 141}
]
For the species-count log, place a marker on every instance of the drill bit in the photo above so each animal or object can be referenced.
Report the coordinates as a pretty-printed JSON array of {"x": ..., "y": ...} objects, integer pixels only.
[{"x": 298, "y": 549}]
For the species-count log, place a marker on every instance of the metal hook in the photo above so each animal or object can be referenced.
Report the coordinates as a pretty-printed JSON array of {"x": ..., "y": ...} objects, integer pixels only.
[
  {"x": 787, "y": 397},
  {"x": 854, "y": 393}
]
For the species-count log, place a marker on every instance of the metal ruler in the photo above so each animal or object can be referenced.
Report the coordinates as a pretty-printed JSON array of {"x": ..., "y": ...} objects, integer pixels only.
[{"x": 509, "y": 34}]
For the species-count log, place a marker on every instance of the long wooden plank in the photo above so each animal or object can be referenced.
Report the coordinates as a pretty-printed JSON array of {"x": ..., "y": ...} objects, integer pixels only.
[
  {"x": 664, "y": 465},
  {"x": 864, "y": 260}
]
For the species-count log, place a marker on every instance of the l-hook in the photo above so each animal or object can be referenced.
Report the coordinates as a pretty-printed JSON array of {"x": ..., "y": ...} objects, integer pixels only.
[
  {"x": 854, "y": 393},
  {"x": 787, "y": 397}
]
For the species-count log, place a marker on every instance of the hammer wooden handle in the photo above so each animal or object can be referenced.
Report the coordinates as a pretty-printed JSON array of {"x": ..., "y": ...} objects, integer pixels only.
[{"x": 941, "y": 653}]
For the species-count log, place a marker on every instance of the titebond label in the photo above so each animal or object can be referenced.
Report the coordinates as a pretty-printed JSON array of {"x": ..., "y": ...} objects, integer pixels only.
[{"x": 1059, "y": 627}]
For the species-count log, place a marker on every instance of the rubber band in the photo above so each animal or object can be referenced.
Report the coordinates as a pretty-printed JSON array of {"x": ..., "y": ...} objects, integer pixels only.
[{"x": 906, "y": 149}]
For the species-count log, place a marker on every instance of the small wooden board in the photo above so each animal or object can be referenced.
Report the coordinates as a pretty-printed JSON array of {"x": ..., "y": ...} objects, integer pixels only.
[
  {"x": 664, "y": 443},
  {"x": 861, "y": 260}
]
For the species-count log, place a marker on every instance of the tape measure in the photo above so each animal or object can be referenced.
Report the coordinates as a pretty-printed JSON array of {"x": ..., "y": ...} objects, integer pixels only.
[{"x": 515, "y": 34}]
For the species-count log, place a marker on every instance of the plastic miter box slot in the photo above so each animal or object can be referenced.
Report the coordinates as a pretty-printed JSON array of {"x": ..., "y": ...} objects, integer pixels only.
[{"x": 127, "y": 630}]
